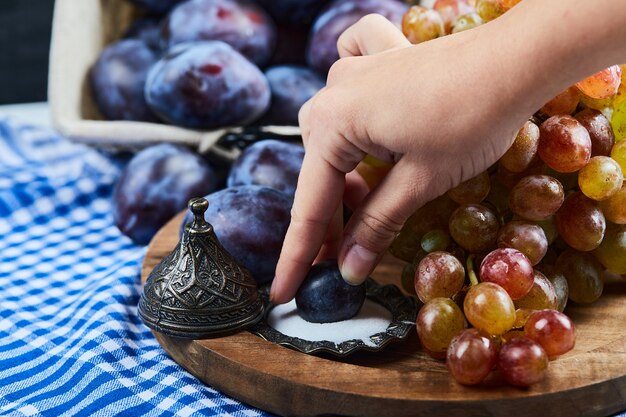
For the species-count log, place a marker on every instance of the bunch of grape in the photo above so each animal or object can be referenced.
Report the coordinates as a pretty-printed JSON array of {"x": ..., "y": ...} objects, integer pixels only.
[{"x": 503, "y": 252}]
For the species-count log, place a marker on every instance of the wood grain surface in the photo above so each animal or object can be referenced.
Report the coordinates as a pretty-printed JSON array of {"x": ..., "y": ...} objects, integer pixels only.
[{"x": 402, "y": 380}]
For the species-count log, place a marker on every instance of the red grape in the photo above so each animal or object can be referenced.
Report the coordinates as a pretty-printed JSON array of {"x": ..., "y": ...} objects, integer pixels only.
[
  {"x": 471, "y": 356},
  {"x": 580, "y": 222},
  {"x": 528, "y": 238},
  {"x": 522, "y": 362},
  {"x": 564, "y": 103},
  {"x": 584, "y": 276},
  {"x": 510, "y": 269},
  {"x": 564, "y": 144},
  {"x": 439, "y": 274},
  {"x": 603, "y": 84},
  {"x": 536, "y": 197},
  {"x": 600, "y": 131},
  {"x": 523, "y": 150},
  {"x": 474, "y": 227},
  {"x": 473, "y": 190},
  {"x": 554, "y": 331},
  {"x": 542, "y": 294}
]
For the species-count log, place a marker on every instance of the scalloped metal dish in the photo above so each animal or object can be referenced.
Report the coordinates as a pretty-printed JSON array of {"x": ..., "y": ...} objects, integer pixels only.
[{"x": 403, "y": 311}]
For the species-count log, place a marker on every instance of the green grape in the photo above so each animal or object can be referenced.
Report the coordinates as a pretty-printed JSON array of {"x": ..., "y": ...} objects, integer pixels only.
[
  {"x": 438, "y": 321},
  {"x": 451, "y": 10},
  {"x": 618, "y": 119},
  {"x": 553, "y": 330},
  {"x": 439, "y": 274},
  {"x": 433, "y": 215},
  {"x": 466, "y": 22},
  {"x": 474, "y": 227},
  {"x": 612, "y": 251},
  {"x": 471, "y": 191},
  {"x": 489, "y": 9},
  {"x": 541, "y": 295},
  {"x": 407, "y": 278},
  {"x": 584, "y": 276},
  {"x": 373, "y": 170},
  {"x": 420, "y": 24},
  {"x": 600, "y": 178},
  {"x": 471, "y": 356},
  {"x": 528, "y": 238},
  {"x": 614, "y": 208},
  {"x": 564, "y": 144},
  {"x": 600, "y": 132},
  {"x": 536, "y": 197},
  {"x": 489, "y": 308},
  {"x": 580, "y": 222},
  {"x": 435, "y": 240},
  {"x": 564, "y": 103},
  {"x": 523, "y": 150},
  {"x": 618, "y": 153}
]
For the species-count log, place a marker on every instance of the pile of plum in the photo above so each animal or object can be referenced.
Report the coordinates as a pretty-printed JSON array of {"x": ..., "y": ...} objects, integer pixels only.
[{"x": 205, "y": 64}]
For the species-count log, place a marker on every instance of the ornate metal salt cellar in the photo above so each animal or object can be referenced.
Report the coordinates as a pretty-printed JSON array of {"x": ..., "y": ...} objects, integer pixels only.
[{"x": 199, "y": 290}]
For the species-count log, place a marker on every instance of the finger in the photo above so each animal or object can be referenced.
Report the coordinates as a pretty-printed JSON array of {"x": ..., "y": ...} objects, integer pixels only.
[
  {"x": 356, "y": 190},
  {"x": 370, "y": 35},
  {"x": 318, "y": 195},
  {"x": 376, "y": 222},
  {"x": 303, "y": 121}
]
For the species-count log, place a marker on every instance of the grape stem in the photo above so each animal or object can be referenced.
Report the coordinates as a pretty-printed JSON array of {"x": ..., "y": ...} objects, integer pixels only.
[{"x": 470, "y": 270}]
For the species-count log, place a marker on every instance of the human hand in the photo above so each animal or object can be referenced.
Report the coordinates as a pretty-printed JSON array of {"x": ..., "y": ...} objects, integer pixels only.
[{"x": 442, "y": 111}]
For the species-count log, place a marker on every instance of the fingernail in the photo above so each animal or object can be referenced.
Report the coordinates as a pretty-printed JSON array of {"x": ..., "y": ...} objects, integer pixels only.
[{"x": 357, "y": 264}]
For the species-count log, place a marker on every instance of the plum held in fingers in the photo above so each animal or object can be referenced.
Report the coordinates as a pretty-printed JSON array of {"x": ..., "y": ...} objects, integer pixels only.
[
  {"x": 118, "y": 78},
  {"x": 250, "y": 221},
  {"x": 155, "y": 185},
  {"x": 241, "y": 24},
  {"x": 324, "y": 296},
  {"x": 206, "y": 85},
  {"x": 269, "y": 162}
]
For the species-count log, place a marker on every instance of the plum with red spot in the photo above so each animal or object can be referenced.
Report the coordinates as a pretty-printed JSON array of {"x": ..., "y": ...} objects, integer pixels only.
[
  {"x": 241, "y": 24},
  {"x": 204, "y": 85}
]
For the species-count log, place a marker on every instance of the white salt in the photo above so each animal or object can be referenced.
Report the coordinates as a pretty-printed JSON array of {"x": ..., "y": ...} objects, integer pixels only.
[{"x": 372, "y": 319}]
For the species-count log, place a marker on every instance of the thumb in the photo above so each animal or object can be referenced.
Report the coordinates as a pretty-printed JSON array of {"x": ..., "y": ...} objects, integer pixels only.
[
  {"x": 374, "y": 225},
  {"x": 372, "y": 34}
]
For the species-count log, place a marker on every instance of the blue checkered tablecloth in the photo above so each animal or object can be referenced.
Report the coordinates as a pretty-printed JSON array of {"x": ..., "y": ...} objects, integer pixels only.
[{"x": 71, "y": 343}]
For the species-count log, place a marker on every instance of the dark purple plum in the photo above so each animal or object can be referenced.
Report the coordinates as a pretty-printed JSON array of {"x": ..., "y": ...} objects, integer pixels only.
[
  {"x": 291, "y": 87},
  {"x": 290, "y": 45},
  {"x": 156, "y": 6},
  {"x": 147, "y": 29},
  {"x": 293, "y": 12},
  {"x": 269, "y": 162},
  {"x": 205, "y": 85},
  {"x": 156, "y": 184},
  {"x": 336, "y": 18},
  {"x": 324, "y": 296},
  {"x": 118, "y": 78},
  {"x": 241, "y": 24},
  {"x": 250, "y": 221}
]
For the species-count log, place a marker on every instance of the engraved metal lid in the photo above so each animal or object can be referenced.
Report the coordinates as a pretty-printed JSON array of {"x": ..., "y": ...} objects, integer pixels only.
[{"x": 199, "y": 290}]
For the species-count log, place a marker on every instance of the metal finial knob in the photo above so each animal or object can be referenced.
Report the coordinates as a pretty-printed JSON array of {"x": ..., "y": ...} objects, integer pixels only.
[{"x": 198, "y": 207}]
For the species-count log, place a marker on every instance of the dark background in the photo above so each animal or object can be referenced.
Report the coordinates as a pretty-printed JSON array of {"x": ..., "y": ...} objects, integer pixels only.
[{"x": 25, "y": 27}]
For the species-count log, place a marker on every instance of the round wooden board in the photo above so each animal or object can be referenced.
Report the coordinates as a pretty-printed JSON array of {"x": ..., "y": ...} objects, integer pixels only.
[{"x": 402, "y": 380}]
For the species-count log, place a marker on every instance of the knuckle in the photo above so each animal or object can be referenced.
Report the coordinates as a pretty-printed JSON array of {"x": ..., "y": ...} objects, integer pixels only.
[
  {"x": 380, "y": 229},
  {"x": 373, "y": 19}
]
